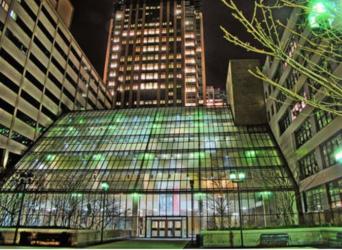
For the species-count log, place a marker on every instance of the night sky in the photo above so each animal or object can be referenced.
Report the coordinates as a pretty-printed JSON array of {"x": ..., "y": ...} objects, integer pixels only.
[{"x": 91, "y": 24}]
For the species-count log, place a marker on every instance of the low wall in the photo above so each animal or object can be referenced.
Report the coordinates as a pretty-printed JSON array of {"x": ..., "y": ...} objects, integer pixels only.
[
  {"x": 319, "y": 236},
  {"x": 77, "y": 238}
]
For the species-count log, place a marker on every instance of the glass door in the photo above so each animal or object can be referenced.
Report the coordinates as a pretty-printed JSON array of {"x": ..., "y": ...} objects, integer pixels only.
[{"x": 166, "y": 229}]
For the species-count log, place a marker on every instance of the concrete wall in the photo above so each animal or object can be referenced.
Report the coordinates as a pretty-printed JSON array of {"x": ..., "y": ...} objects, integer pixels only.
[{"x": 245, "y": 93}]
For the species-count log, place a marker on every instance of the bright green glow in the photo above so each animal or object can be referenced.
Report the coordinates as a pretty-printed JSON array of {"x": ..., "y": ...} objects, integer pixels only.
[
  {"x": 237, "y": 177},
  {"x": 148, "y": 156},
  {"x": 321, "y": 13},
  {"x": 319, "y": 8},
  {"x": 105, "y": 186},
  {"x": 265, "y": 194},
  {"x": 232, "y": 176},
  {"x": 71, "y": 129},
  {"x": 98, "y": 157},
  {"x": 338, "y": 155},
  {"x": 242, "y": 176},
  {"x": 199, "y": 196},
  {"x": 200, "y": 155},
  {"x": 76, "y": 195},
  {"x": 82, "y": 121},
  {"x": 136, "y": 196},
  {"x": 250, "y": 153},
  {"x": 50, "y": 157},
  {"x": 156, "y": 126}
]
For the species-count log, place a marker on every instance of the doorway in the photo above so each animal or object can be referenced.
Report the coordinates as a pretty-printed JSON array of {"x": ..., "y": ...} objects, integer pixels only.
[{"x": 166, "y": 228}]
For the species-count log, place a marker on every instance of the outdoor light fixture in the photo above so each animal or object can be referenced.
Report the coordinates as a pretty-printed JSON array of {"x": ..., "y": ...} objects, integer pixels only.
[
  {"x": 105, "y": 186},
  {"x": 135, "y": 196},
  {"x": 76, "y": 195},
  {"x": 238, "y": 177},
  {"x": 322, "y": 13}
]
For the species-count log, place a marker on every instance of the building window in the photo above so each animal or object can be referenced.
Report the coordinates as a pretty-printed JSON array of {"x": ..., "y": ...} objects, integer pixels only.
[
  {"x": 280, "y": 100},
  {"x": 308, "y": 166},
  {"x": 303, "y": 134},
  {"x": 284, "y": 122},
  {"x": 315, "y": 199},
  {"x": 4, "y": 5},
  {"x": 323, "y": 118},
  {"x": 335, "y": 191},
  {"x": 329, "y": 149}
]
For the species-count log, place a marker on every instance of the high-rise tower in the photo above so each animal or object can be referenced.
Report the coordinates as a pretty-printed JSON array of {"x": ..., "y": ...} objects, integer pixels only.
[{"x": 155, "y": 53}]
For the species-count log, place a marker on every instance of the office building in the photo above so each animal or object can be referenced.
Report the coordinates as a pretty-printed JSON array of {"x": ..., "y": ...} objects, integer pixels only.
[
  {"x": 64, "y": 9},
  {"x": 155, "y": 54},
  {"x": 159, "y": 172},
  {"x": 310, "y": 139},
  {"x": 43, "y": 74}
]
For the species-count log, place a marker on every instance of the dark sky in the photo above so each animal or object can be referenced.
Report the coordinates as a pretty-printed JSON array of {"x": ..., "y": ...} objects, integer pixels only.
[{"x": 91, "y": 21}]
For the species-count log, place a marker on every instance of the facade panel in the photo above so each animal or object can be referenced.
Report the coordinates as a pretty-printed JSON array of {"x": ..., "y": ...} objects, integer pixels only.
[
  {"x": 309, "y": 138},
  {"x": 40, "y": 74}
]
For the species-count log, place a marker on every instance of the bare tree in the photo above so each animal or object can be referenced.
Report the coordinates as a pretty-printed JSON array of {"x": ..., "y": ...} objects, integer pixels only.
[{"x": 312, "y": 50}]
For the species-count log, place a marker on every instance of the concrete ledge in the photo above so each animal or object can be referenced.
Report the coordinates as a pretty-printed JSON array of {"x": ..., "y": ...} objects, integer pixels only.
[
  {"x": 74, "y": 238},
  {"x": 315, "y": 236}
]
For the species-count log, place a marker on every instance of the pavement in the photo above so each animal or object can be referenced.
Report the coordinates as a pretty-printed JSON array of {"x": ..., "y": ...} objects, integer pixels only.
[{"x": 144, "y": 244}]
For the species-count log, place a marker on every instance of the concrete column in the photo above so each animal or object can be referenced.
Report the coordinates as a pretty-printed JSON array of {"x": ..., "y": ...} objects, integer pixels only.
[{"x": 4, "y": 159}]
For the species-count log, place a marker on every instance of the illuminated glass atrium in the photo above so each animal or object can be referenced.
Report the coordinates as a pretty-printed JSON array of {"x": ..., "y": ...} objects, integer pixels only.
[{"x": 156, "y": 171}]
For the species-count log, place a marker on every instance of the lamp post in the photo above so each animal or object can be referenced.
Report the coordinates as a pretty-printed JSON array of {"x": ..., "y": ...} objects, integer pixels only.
[
  {"x": 22, "y": 181},
  {"x": 192, "y": 210},
  {"x": 238, "y": 177},
  {"x": 105, "y": 188},
  {"x": 264, "y": 195}
]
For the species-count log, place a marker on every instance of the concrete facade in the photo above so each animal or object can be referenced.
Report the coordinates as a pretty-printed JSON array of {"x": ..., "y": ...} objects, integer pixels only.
[
  {"x": 309, "y": 138},
  {"x": 245, "y": 93},
  {"x": 43, "y": 73}
]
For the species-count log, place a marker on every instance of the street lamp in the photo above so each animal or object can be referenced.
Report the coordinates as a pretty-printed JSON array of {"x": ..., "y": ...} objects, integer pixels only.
[
  {"x": 238, "y": 177},
  {"x": 105, "y": 188},
  {"x": 21, "y": 182},
  {"x": 264, "y": 195},
  {"x": 191, "y": 181}
]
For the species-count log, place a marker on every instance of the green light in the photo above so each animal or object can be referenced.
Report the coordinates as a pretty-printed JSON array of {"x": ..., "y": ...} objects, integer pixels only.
[
  {"x": 321, "y": 13},
  {"x": 135, "y": 196},
  {"x": 50, "y": 157},
  {"x": 199, "y": 196},
  {"x": 265, "y": 194},
  {"x": 156, "y": 126},
  {"x": 242, "y": 176},
  {"x": 200, "y": 155},
  {"x": 98, "y": 157},
  {"x": 232, "y": 176},
  {"x": 338, "y": 156},
  {"x": 319, "y": 8},
  {"x": 148, "y": 156},
  {"x": 76, "y": 195},
  {"x": 105, "y": 186},
  {"x": 250, "y": 153},
  {"x": 237, "y": 177},
  {"x": 81, "y": 120}
]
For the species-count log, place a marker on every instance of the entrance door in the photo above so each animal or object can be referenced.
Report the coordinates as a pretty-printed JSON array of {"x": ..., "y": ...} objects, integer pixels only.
[{"x": 166, "y": 228}]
